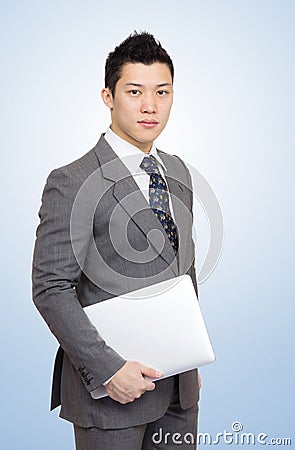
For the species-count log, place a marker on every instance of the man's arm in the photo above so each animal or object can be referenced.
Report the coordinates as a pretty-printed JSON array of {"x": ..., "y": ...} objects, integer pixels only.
[{"x": 55, "y": 276}]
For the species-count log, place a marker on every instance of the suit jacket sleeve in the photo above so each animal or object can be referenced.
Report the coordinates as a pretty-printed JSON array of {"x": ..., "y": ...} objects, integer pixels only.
[{"x": 55, "y": 276}]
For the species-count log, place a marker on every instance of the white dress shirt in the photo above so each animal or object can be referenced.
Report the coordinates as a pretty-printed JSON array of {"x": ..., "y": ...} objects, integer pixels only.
[{"x": 132, "y": 157}]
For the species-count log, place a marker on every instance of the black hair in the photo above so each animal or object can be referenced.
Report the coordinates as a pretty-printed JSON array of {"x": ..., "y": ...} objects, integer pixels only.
[{"x": 136, "y": 48}]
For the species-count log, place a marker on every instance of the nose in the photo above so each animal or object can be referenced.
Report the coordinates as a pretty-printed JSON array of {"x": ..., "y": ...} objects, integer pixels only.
[{"x": 148, "y": 104}]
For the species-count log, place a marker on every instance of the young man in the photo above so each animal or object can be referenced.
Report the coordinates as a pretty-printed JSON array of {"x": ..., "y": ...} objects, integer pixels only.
[{"x": 124, "y": 188}]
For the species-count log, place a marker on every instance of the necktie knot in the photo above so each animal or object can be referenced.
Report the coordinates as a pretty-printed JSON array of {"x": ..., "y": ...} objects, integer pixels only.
[{"x": 150, "y": 165}]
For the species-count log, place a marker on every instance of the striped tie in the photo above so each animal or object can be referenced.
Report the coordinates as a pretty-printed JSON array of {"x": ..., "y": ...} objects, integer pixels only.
[{"x": 159, "y": 199}]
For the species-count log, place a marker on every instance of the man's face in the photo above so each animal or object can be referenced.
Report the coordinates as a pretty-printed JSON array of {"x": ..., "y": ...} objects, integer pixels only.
[{"x": 141, "y": 105}]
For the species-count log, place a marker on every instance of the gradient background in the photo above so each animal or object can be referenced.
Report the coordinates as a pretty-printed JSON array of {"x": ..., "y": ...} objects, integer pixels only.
[{"x": 232, "y": 120}]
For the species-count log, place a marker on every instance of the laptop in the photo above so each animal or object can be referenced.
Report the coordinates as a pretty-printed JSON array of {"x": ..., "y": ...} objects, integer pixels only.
[{"x": 160, "y": 325}]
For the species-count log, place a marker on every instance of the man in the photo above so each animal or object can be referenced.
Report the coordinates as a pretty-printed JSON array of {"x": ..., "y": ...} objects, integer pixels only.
[{"x": 95, "y": 241}]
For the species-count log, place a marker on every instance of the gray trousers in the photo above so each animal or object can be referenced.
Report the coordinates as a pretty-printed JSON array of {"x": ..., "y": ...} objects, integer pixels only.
[{"x": 176, "y": 429}]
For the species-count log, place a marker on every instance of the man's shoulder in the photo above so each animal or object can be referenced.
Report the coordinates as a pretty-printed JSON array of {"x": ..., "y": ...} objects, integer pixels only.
[{"x": 82, "y": 167}]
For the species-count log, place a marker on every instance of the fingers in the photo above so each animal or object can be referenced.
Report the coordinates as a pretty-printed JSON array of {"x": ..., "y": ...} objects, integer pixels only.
[
  {"x": 130, "y": 383},
  {"x": 150, "y": 386},
  {"x": 150, "y": 372},
  {"x": 124, "y": 396},
  {"x": 119, "y": 396}
]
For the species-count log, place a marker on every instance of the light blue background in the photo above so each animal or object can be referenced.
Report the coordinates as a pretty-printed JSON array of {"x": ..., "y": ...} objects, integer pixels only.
[{"x": 233, "y": 119}]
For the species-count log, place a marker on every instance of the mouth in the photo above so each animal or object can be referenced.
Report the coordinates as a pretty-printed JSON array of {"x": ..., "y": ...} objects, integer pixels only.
[{"x": 148, "y": 123}]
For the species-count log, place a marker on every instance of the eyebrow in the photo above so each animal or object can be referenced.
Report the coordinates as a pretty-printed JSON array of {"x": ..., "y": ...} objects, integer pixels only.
[{"x": 141, "y": 85}]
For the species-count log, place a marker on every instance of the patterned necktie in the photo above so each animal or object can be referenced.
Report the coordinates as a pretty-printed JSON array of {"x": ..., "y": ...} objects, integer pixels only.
[{"x": 159, "y": 199}]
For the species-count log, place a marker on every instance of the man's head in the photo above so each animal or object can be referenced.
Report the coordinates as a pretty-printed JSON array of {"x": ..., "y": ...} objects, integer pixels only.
[
  {"x": 137, "y": 48},
  {"x": 139, "y": 90}
]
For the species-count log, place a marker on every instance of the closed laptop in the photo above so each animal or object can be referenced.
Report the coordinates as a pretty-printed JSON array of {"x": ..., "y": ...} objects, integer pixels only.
[{"x": 161, "y": 326}]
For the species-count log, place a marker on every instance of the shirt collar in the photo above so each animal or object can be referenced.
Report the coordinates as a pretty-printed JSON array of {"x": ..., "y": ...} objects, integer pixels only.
[{"x": 128, "y": 153}]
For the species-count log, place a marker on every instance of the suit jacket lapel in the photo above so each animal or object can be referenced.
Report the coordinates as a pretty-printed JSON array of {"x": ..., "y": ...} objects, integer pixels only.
[{"x": 128, "y": 194}]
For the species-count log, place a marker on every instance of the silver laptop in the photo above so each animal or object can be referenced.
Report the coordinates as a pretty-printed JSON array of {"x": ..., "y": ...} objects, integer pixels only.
[{"x": 161, "y": 326}]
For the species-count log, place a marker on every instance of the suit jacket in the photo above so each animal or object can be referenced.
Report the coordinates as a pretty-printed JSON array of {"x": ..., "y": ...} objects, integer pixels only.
[{"x": 94, "y": 242}]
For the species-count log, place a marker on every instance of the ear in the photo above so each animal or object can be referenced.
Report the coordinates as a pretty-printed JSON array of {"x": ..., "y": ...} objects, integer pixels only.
[{"x": 107, "y": 97}]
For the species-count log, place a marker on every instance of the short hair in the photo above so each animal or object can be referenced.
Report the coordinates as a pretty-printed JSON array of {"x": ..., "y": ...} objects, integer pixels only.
[{"x": 136, "y": 48}]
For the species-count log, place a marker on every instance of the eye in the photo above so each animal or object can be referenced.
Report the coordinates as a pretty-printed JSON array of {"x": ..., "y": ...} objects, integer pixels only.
[
  {"x": 134, "y": 92},
  {"x": 161, "y": 92}
]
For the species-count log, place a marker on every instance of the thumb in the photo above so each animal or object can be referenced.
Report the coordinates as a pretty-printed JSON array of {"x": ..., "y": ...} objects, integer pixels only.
[{"x": 150, "y": 372}]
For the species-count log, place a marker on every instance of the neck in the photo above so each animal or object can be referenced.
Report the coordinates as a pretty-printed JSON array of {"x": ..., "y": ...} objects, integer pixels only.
[{"x": 145, "y": 147}]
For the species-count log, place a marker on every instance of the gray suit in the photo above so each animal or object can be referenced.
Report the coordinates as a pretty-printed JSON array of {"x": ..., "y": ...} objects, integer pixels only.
[{"x": 77, "y": 264}]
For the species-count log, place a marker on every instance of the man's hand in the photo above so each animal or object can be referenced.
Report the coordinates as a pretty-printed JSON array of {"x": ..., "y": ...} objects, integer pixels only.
[{"x": 129, "y": 382}]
